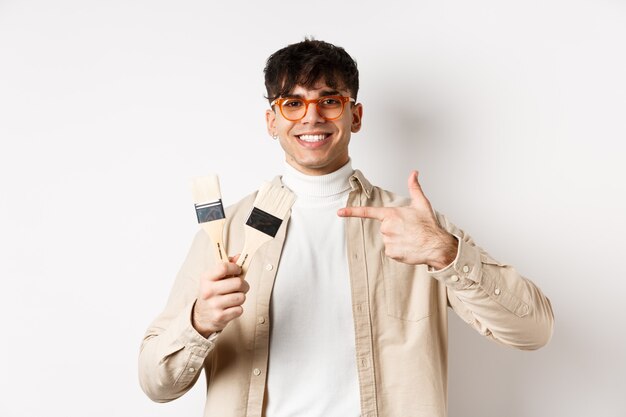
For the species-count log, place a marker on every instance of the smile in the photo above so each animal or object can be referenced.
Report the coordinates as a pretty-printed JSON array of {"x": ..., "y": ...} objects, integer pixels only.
[{"x": 313, "y": 138}]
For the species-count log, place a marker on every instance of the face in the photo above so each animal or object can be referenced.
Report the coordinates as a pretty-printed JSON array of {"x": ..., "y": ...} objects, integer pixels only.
[{"x": 313, "y": 145}]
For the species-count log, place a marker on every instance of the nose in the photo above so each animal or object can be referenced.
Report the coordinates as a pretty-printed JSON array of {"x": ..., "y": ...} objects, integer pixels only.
[{"x": 312, "y": 115}]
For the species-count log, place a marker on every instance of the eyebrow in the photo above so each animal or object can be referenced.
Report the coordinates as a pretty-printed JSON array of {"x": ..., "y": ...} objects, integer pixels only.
[{"x": 323, "y": 93}]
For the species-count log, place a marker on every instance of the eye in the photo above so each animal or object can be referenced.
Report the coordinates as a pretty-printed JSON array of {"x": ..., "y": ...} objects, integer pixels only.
[
  {"x": 293, "y": 103},
  {"x": 330, "y": 101}
]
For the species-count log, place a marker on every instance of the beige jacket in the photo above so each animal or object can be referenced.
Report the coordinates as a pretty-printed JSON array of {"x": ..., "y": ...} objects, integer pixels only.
[{"x": 400, "y": 320}]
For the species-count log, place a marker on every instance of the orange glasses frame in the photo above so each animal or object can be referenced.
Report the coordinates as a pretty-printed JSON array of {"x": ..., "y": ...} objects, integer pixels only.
[{"x": 343, "y": 99}]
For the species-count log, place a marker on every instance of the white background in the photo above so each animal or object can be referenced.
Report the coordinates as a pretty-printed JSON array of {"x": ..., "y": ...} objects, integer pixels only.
[{"x": 514, "y": 113}]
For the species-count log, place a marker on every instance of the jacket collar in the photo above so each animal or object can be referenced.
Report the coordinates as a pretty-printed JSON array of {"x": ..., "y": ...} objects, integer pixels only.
[{"x": 358, "y": 180}]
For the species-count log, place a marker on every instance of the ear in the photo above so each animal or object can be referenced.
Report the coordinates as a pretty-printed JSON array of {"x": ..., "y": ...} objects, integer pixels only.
[
  {"x": 357, "y": 115},
  {"x": 270, "y": 120}
]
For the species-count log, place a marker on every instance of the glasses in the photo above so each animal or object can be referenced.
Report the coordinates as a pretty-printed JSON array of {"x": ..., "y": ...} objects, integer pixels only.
[{"x": 329, "y": 107}]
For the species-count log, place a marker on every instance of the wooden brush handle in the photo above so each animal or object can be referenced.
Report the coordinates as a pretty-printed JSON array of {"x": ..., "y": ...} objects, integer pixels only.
[
  {"x": 215, "y": 230},
  {"x": 254, "y": 240}
]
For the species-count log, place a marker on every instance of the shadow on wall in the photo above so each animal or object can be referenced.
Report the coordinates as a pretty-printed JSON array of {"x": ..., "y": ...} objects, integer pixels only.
[
  {"x": 487, "y": 379},
  {"x": 395, "y": 140}
]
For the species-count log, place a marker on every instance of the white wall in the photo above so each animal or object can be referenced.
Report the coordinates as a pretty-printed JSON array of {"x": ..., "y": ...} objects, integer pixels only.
[{"x": 514, "y": 113}]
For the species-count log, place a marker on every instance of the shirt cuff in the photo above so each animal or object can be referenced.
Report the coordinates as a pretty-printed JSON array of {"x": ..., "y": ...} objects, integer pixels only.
[
  {"x": 465, "y": 271},
  {"x": 189, "y": 338},
  {"x": 196, "y": 346}
]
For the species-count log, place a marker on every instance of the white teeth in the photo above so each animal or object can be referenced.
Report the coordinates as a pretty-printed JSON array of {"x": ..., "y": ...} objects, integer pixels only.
[{"x": 312, "y": 138}]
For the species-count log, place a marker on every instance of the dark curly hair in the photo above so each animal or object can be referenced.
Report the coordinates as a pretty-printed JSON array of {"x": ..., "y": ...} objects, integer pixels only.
[{"x": 306, "y": 63}]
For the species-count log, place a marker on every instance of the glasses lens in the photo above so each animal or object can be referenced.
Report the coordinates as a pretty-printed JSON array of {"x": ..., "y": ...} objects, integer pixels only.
[
  {"x": 293, "y": 108},
  {"x": 330, "y": 107}
]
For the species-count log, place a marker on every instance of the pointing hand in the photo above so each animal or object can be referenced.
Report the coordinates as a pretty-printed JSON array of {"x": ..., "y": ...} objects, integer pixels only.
[{"x": 411, "y": 234}]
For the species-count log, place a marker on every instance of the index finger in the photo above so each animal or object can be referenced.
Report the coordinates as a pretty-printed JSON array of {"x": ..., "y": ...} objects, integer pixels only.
[{"x": 377, "y": 213}]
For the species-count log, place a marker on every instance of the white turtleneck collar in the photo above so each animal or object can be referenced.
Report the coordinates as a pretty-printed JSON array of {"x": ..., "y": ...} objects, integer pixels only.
[{"x": 328, "y": 185}]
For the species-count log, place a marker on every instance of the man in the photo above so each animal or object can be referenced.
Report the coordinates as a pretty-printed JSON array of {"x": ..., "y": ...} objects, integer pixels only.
[{"x": 344, "y": 313}]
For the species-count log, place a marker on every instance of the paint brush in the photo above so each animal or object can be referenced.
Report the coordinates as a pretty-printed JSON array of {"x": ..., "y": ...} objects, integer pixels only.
[
  {"x": 270, "y": 208},
  {"x": 210, "y": 212}
]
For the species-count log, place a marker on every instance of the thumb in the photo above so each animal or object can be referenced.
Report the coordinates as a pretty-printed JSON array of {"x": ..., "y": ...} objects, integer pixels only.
[{"x": 418, "y": 199}]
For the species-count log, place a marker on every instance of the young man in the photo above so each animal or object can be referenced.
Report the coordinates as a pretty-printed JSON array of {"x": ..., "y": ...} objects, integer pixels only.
[{"x": 344, "y": 313}]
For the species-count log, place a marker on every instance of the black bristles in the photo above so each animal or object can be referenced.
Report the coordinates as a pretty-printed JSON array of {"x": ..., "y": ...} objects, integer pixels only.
[
  {"x": 210, "y": 211},
  {"x": 264, "y": 222}
]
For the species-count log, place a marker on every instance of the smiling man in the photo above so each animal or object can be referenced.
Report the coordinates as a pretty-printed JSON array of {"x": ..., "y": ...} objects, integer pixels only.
[{"x": 344, "y": 313}]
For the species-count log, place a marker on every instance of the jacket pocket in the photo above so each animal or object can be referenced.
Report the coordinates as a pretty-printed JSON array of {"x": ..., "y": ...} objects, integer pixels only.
[{"x": 409, "y": 295}]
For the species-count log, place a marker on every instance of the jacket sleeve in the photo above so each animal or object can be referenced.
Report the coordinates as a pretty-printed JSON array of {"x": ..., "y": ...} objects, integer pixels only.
[
  {"x": 172, "y": 352},
  {"x": 493, "y": 297}
]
